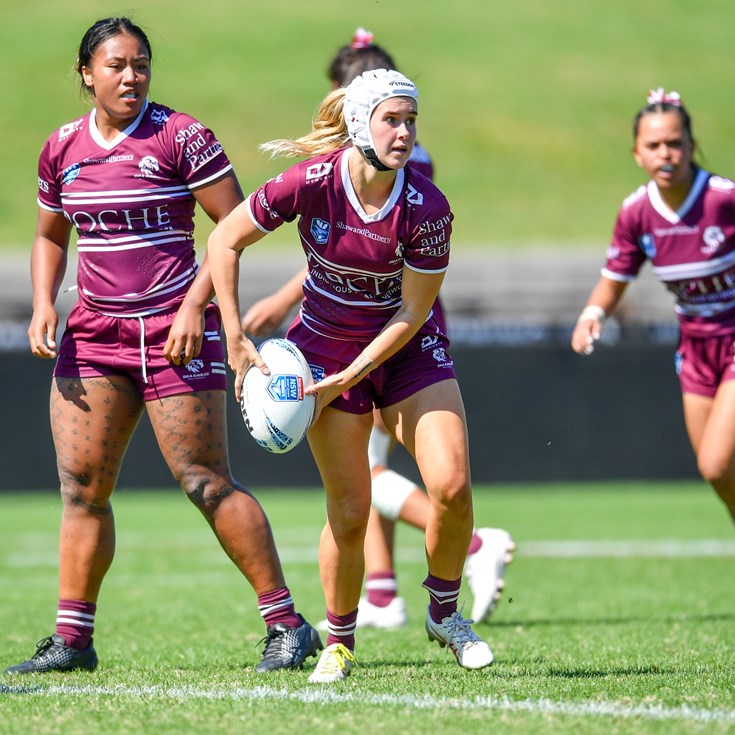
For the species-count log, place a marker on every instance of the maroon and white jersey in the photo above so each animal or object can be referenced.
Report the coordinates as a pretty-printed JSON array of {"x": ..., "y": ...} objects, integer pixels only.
[
  {"x": 355, "y": 259},
  {"x": 131, "y": 203},
  {"x": 692, "y": 250},
  {"x": 420, "y": 161}
]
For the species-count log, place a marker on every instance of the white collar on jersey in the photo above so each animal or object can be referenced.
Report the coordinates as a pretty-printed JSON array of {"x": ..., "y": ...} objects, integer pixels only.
[
  {"x": 657, "y": 202},
  {"x": 109, "y": 145},
  {"x": 352, "y": 196}
]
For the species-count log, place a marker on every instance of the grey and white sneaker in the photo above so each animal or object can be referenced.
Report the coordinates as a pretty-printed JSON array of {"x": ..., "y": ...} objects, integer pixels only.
[
  {"x": 455, "y": 632},
  {"x": 52, "y": 654},
  {"x": 485, "y": 568},
  {"x": 288, "y": 648}
]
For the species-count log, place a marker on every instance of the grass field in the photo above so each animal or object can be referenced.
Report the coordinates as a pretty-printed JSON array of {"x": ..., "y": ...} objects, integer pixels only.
[
  {"x": 526, "y": 107},
  {"x": 618, "y": 617}
]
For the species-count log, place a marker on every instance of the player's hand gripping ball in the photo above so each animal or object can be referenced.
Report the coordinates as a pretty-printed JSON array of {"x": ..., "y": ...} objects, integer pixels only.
[{"x": 276, "y": 411}]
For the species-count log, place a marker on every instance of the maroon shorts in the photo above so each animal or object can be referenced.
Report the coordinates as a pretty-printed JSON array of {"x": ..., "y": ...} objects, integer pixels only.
[
  {"x": 93, "y": 345},
  {"x": 418, "y": 364},
  {"x": 702, "y": 363}
]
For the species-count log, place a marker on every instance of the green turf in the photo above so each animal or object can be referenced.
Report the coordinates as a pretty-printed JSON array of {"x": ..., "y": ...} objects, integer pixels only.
[
  {"x": 525, "y": 106},
  {"x": 613, "y": 621}
]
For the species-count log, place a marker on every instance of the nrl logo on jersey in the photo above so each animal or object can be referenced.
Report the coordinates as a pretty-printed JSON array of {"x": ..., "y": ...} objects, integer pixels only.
[
  {"x": 320, "y": 230},
  {"x": 648, "y": 245},
  {"x": 70, "y": 173},
  {"x": 317, "y": 171},
  {"x": 158, "y": 117}
]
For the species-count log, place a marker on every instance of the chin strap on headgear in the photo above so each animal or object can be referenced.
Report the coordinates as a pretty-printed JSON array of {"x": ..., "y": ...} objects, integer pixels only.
[{"x": 364, "y": 94}]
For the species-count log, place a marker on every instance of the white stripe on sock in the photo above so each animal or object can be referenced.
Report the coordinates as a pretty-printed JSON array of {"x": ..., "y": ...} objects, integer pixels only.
[{"x": 76, "y": 614}]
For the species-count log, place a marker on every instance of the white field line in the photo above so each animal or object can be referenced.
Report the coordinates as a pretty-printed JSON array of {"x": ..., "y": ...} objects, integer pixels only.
[
  {"x": 325, "y": 697},
  {"x": 307, "y": 554},
  {"x": 670, "y": 548}
]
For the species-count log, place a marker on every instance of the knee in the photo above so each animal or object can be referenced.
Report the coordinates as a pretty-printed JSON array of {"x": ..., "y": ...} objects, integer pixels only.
[
  {"x": 454, "y": 496},
  {"x": 715, "y": 469},
  {"x": 205, "y": 490},
  {"x": 85, "y": 492},
  {"x": 348, "y": 521}
]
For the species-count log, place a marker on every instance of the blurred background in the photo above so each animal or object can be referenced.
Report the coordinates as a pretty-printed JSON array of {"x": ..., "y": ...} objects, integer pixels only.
[{"x": 526, "y": 109}]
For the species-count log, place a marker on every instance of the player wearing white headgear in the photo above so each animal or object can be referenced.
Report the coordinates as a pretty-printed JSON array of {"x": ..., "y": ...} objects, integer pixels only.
[
  {"x": 394, "y": 497},
  {"x": 377, "y": 244},
  {"x": 364, "y": 94}
]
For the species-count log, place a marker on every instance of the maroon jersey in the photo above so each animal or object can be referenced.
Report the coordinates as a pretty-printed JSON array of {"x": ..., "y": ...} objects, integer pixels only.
[
  {"x": 355, "y": 259},
  {"x": 692, "y": 250},
  {"x": 131, "y": 203},
  {"x": 420, "y": 161}
]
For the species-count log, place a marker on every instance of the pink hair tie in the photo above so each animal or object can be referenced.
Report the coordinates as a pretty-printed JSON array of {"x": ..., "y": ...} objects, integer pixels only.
[
  {"x": 362, "y": 38},
  {"x": 659, "y": 97}
]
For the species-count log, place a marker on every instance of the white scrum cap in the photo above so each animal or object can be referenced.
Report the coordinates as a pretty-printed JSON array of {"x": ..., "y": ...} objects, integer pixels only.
[{"x": 364, "y": 94}]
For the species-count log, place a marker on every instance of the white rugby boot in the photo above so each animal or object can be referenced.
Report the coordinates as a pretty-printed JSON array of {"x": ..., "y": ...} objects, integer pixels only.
[
  {"x": 485, "y": 568},
  {"x": 455, "y": 632}
]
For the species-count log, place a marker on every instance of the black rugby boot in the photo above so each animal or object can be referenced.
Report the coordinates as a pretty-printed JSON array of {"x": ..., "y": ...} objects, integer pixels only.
[{"x": 52, "y": 654}]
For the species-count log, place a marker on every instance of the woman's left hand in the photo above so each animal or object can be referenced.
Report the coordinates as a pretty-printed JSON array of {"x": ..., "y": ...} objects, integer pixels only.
[
  {"x": 185, "y": 337},
  {"x": 241, "y": 356}
]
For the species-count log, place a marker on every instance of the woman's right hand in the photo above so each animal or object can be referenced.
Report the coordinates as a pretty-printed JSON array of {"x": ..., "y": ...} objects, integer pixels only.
[
  {"x": 241, "y": 355},
  {"x": 586, "y": 333},
  {"x": 266, "y": 315},
  {"x": 42, "y": 332}
]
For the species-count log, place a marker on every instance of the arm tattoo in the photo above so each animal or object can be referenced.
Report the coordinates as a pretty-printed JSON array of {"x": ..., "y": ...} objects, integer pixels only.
[{"x": 362, "y": 366}]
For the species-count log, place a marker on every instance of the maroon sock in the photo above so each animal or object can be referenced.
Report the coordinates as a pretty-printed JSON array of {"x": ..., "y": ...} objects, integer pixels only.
[
  {"x": 475, "y": 544},
  {"x": 75, "y": 622},
  {"x": 443, "y": 596},
  {"x": 381, "y": 588},
  {"x": 342, "y": 629},
  {"x": 277, "y": 607}
]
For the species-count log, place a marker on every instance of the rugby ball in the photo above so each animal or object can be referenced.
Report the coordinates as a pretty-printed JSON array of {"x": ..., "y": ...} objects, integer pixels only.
[{"x": 276, "y": 411}]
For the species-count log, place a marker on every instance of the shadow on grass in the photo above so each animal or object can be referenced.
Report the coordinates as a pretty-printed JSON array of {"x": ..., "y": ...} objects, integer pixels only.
[{"x": 590, "y": 673}]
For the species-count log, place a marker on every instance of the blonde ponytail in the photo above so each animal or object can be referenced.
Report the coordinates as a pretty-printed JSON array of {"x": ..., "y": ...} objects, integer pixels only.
[{"x": 328, "y": 133}]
